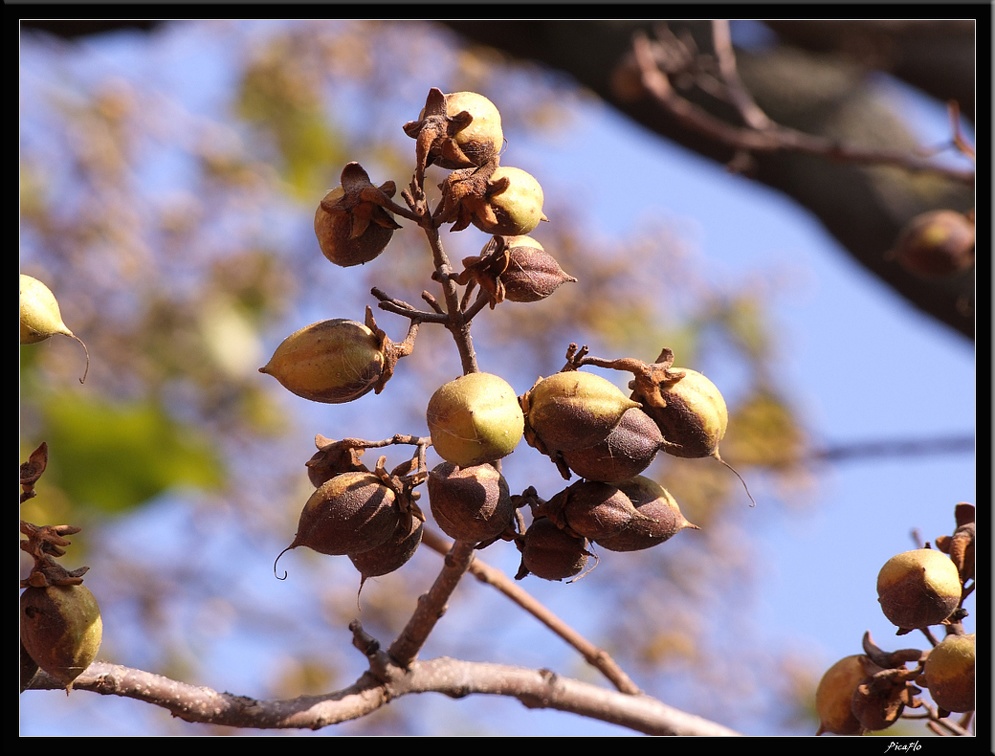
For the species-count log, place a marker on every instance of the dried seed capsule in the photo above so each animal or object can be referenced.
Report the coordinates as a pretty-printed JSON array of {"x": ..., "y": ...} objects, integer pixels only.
[
  {"x": 572, "y": 410},
  {"x": 834, "y": 696},
  {"x": 513, "y": 203},
  {"x": 352, "y": 228},
  {"x": 393, "y": 553},
  {"x": 950, "y": 672},
  {"x": 332, "y": 362},
  {"x": 918, "y": 588},
  {"x": 936, "y": 244},
  {"x": 695, "y": 417},
  {"x": 625, "y": 452},
  {"x": 549, "y": 553},
  {"x": 532, "y": 273},
  {"x": 474, "y": 419},
  {"x": 61, "y": 629},
  {"x": 593, "y": 510},
  {"x": 661, "y": 517},
  {"x": 349, "y": 514},
  {"x": 470, "y": 503}
]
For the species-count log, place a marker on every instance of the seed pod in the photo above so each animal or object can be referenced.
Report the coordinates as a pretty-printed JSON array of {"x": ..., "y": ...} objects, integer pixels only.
[
  {"x": 461, "y": 129},
  {"x": 936, "y": 244},
  {"x": 40, "y": 316},
  {"x": 332, "y": 362},
  {"x": 61, "y": 629},
  {"x": 352, "y": 228},
  {"x": 474, "y": 419},
  {"x": 393, "y": 553},
  {"x": 550, "y": 553},
  {"x": 470, "y": 503},
  {"x": 834, "y": 696},
  {"x": 593, "y": 510},
  {"x": 661, "y": 517},
  {"x": 572, "y": 410},
  {"x": 695, "y": 417},
  {"x": 351, "y": 513},
  {"x": 532, "y": 273},
  {"x": 950, "y": 672},
  {"x": 918, "y": 588},
  {"x": 625, "y": 452},
  {"x": 513, "y": 203}
]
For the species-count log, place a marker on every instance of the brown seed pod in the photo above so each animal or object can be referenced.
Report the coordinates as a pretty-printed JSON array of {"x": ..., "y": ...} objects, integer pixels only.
[
  {"x": 474, "y": 419},
  {"x": 470, "y": 503},
  {"x": 550, "y": 553},
  {"x": 333, "y": 362},
  {"x": 532, "y": 273},
  {"x": 661, "y": 517},
  {"x": 625, "y": 452},
  {"x": 351, "y": 223},
  {"x": 918, "y": 588},
  {"x": 61, "y": 629},
  {"x": 393, "y": 553},
  {"x": 572, "y": 410},
  {"x": 349, "y": 514},
  {"x": 950, "y": 672},
  {"x": 936, "y": 244},
  {"x": 694, "y": 418},
  {"x": 834, "y": 695},
  {"x": 592, "y": 509}
]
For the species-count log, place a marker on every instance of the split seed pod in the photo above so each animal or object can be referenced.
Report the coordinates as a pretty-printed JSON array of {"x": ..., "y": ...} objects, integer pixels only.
[
  {"x": 470, "y": 503},
  {"x": 61, "y": 629},
  {"x": 474, "y": 419},
  {"x": 332, "y": 362}
]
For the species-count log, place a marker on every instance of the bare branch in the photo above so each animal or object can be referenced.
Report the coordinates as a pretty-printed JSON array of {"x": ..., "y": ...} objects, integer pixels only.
[{"x": 536, "y": 689}]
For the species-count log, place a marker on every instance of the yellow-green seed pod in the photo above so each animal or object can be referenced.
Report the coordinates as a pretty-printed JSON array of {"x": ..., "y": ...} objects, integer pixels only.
[
  {"x": 918, "y": 588},
  {"x": 333, "y": 362},
  {"x": 950, "y": 672},
  {"x": 513, "y": 211},
  {"x": 695, "y": 418},
  {"x": 61, "y": 629},
  {"x": 41, "y": 318},
  {"x": 475, "y": 419}
]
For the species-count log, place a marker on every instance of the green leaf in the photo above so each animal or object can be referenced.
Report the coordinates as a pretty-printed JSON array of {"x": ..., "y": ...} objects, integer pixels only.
[{"x": 114, "y": 457}]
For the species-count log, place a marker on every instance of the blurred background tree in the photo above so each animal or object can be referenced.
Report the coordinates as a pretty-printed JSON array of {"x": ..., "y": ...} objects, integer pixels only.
[{"x": 169, "y": 174}]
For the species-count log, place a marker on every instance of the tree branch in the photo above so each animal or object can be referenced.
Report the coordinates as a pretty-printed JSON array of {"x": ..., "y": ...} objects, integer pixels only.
[{"x": 536, "y": 689}]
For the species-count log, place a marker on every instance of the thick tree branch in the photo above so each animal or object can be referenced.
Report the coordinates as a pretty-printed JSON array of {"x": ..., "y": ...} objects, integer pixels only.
[{"x": 536, "y": 689}]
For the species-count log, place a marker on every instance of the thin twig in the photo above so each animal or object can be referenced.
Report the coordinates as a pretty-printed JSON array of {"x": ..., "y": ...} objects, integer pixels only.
[
  {"x": 776, "y": 138},
  {"x": 596, "y": 657}
]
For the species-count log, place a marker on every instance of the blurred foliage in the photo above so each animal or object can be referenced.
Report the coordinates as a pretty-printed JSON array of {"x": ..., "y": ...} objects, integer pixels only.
[{"x": 174, "y": 221}]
